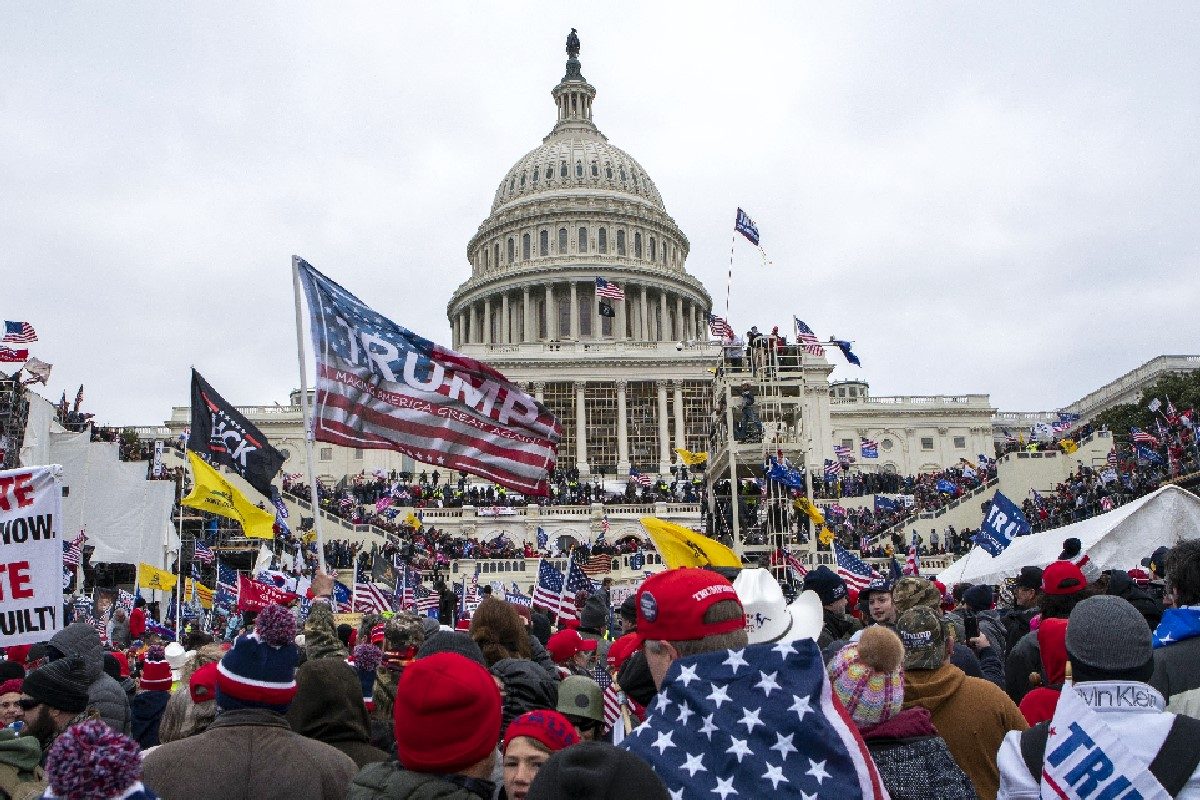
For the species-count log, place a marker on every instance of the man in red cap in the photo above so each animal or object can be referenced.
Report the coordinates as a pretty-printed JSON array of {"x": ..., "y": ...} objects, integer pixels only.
[
  {"x": 447, "y": 713},
  {"x": 685, "y": 612},
  {"x": 1063, "y": 586}
]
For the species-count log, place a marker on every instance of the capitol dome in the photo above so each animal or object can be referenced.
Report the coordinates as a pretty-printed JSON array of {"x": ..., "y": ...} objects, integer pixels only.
[{"x": 576, "y": 208}]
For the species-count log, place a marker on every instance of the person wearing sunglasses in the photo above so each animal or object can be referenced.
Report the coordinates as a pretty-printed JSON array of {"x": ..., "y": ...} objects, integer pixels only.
[{"x": 55, "y": 698}]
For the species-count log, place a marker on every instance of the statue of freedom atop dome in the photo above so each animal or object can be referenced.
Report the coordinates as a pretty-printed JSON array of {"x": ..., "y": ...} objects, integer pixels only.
[{"x": 572, "y": 44}]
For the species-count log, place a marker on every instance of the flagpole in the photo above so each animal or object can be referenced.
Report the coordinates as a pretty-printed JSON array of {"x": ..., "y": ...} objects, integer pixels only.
[
  {"x": 729, "y": 280},
  {"x": 179, "y": 579},
  {"x": 309, "y": 432}
]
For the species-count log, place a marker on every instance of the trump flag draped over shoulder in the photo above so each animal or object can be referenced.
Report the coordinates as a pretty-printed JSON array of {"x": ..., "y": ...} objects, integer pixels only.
[{"x": 381, "y": 386}]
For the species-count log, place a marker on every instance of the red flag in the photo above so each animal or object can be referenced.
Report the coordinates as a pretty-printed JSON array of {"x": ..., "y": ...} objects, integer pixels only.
[{"x": 255, "y": 596}]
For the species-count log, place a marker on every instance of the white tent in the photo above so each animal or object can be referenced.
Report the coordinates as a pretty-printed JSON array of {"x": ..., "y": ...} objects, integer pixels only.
[{"x": 1118, "y": 539}]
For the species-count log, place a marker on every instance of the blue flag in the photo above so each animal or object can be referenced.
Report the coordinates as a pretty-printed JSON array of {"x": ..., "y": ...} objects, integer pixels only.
[
  {"x": 637, "y": 560},
  {"x": 885, "y": 504},
  {"x": 788, "y": 476},
  {"x": 542, "y": 538},
  {"x": 746, "y": 227},
  {"x": 1004, "y": 523},
  {"x": 944, "y": 485},
  {"x": 1148, "y": 454},
  {"x": 844, "y": 346},
  {"x": 342, "y": 594}
]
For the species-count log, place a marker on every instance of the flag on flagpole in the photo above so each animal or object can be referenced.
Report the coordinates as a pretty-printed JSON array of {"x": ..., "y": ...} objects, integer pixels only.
[
  {"x": 225, "y": 437},
  {"x": 844, "y": 346},
  {"x": 11, "y": 355},
  {"x": 806, "y": 337},
  {"x": 212, "y": 493},
  {"x": 689, "y": 458},
  {"x": 609, "y": 290},
  {"x": 853, "y": 570},
  {"x": 19, "y": 332},
  {"x": 719, "y": 328},
  {"x": 381, "y": 386},
  {"x": 870, "y": 448},
  {"x": 640, "y": 479},
  {"x": 681, "y": 547},
  {"x": 204, "y": 553},
  {"x": 746, "y": 227}
]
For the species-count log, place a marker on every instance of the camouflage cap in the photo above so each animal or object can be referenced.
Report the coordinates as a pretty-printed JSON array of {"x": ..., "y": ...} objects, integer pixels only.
[
  {"x": 580, "y": 696},
  {"x": 912, "y": 591},
  {"x": 401, "y": 631},
  {"x": 924, "y": 636}
]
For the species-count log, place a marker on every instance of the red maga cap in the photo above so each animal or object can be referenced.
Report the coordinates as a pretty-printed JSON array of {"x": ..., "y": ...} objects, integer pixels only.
[
  {"x": 1063, "y": 577},
  {"x": 671, "y": 605}
]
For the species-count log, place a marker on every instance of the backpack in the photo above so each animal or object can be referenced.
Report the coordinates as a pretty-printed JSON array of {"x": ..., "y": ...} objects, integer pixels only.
[
  {"x": 15, "y": 787},
  {"x": 1173, "y": 765}
]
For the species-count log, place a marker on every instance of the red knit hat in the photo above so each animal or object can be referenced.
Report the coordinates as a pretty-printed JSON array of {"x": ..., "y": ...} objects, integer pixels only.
[
  {"x": 622, "y": 649},
  {"x": 12, "y": 686},
  {"x": 463, "y": 624},
  {"x": 1063, "y": 577},
  {"x": 156, "y": 672},
  {"x": 203, "y": 684},
  {"x": 671, "y": 605},
  {"x": 548, "y": 727},
  {"x": 17, "y": 652},
  {"x": 447, "y": 714},
  {"x": 122, "y": 662}
]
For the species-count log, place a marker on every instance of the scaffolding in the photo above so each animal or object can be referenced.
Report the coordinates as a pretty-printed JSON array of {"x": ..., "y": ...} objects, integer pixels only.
[
  {"x": 14, "y": 413},
  {"x": 767, "y": 403}
]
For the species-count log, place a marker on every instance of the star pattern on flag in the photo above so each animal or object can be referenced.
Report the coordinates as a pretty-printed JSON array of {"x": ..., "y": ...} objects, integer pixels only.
[{"x": 718, "y": 729}]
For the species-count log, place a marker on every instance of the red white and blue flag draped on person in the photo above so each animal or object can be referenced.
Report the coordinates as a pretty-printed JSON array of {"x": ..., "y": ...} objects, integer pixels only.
[{"x": 381, "y": 386}]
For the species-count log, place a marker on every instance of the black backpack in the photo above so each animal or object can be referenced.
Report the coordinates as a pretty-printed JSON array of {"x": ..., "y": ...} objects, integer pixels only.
[{"x": 1173, "y": 766}]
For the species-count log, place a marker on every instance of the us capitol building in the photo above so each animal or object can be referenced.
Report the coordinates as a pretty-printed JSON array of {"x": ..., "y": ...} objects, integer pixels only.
[{"x": 631, "y": 387}]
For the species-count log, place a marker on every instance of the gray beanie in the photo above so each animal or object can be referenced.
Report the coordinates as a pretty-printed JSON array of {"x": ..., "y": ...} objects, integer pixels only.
[
  {"x": 1107, "y": 633},
  {"x": 452, "y": 642}
]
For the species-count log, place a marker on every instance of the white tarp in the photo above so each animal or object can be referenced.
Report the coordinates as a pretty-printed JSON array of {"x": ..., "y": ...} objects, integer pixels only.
[
  {"x": 1118, "y": 539},
  {"x": 127, "y": 518},
  {"x": 41, "y": 422}
]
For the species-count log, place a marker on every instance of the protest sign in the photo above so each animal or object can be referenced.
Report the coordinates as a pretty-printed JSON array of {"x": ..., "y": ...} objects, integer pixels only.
[{"x": 31, "y": 555}]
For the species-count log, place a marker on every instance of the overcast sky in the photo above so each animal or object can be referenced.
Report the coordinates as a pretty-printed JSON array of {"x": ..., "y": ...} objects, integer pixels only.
[{"x": 985, "y": 198}]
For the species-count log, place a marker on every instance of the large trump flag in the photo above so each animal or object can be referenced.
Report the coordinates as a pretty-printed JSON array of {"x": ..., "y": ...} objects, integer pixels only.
[{"x": 381, "y": 386}]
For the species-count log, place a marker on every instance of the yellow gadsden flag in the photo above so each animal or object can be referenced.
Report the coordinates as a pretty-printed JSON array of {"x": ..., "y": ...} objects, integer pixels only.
[
  {"x": 814, "y": 513},
  {"x": 689, "y": 458},
  {"x": 214, "y": 494},
  {"x": 154, "y": 578},
  {"x": 681, "y": 547},
  {"x": 412, "y": 521},
  {"x": 1068, "y": 446}
]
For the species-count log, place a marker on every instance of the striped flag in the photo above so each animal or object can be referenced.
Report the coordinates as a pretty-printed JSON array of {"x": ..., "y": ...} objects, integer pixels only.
[
  {"x": 19, "y": 332},
  {"x": 381, "y": 386},
  {"x": 425, "y": 600},
  {"x": 609, "y": 290},
  {"x": 912, "y": 564},
  {"x": 1112, "y": 457},
  {"x": 870, "y": 448},
  {"x": 204, "y": 553},
  {"x": 806, "y": 337},
  {"x": 73, "y": 552},
  {"x": 842, "y": 453},
  {"x": 597, "y": 565},
  {"x": 719, "y": 328},
  {"x": 640, "y": 479},
  {"x": 371, "y": 598},
  {"x": 1143, "y": 437},
  {"x": 853, "y": 570},
  {"x": 795, "y": 566}
]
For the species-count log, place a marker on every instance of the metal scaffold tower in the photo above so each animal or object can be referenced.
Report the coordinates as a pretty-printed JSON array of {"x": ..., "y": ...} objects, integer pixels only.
[
  {"x": 14, "y": 412},
  {"x": 770, "y": 400}
]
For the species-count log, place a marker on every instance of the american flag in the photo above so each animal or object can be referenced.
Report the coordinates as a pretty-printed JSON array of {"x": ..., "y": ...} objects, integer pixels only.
[
  {"x": 852, "y": 569},
  {"x": 832, "y": 469},
  {"x": 782, "y": 728},
  {"x": 641, "y": 479},
  {"x": 603, "y": 528},
  {"x": 20, "y": 332},
  {"x": 426, "y": 600},
  {"x": 795, "y": 566},
  {"x": 597, "y": 565},
  {"x": 426, "y": 401},
  {"x": 1143, "y": 437},
  {"x": 1112, "y": 456},
  {"x": 382, "y": 503},
  {"x": 806, "y": 337},
  {"x": 371, "y": 598},
  {"x": 609, "y": 290},
  {"x": 204, "y": 553},
  {"x": 912, "y": 564},
  {"x": 870, "y": 448},
  {"x": 73, "y": 552},
  {"x": 719, "y": 328},
  {"x": 549, "y": 590},
  {"x": 842, "y": 452}
]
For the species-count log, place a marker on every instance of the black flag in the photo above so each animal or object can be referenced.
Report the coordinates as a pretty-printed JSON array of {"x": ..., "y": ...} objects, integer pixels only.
[
  {"x": 606, "y": 309},
  {"x": 221, "y": 435}
]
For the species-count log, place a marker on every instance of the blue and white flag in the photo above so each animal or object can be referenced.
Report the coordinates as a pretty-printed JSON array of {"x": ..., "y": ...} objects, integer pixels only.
[
  {"x": 542, "y": 538},
  {"x": 746, "y": 227},
  {"x": 1177, "y": 625},
  {"x": 1003, "y": 523},
  {"x": 886, "y": 504},
  {"x": 844, "y": 346},
  {"x": 754, "y": 723},
  {"x": 1147, "y": 454},
  {"x": 870, "y": 448},
  {"x": 1085, "y": 759},
  {"x": 381, "y": 386},
  {"x": 637, "y": 560},
  {"x": 945, "y": 486},
  {"x": 787, "y": 475}
]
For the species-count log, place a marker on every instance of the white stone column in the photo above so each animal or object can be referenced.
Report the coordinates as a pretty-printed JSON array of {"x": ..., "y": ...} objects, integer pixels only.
[
  {"x": 597, "y": 322},
  {"x": 539, "y": 392},
  {"x": 527, "y": 327},
  {"x": 643, "y": 323},
  {"x": 665, "y": 318},
  {"x": 551, "y": 314},
  {"x": 470, "y": 312},
  {"x": 680, "y": 431},
  {"x": 677, "y": 323},
  {"x": 505, "y": 321},
  {"x": 622, "y": 309},
  {"x": 574, "y": 313},
  {"x": 581, "y": 427},
  {"x": 487, "y": 321},
  {"x": 622, "y": 430},
  {"x": 664, "y": 436}
]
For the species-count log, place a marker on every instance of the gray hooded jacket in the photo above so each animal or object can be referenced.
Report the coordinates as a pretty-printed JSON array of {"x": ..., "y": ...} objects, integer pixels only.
[{"x": 104, "y": 693}]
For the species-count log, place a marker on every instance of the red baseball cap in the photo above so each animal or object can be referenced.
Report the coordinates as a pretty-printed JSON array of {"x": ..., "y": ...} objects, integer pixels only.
[
  {"x": 671, "y": 605},
  {"x": 622, "y": 649},
  {"x": 566, "y": 643},
  {"x": 1062, "y": 577}
]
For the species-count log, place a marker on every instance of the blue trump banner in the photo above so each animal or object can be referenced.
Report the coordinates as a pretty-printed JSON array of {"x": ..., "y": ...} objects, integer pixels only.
[{"x": 1003, "y": 523}]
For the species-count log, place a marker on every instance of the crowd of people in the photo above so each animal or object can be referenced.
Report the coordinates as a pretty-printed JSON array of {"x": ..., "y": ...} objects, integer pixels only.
[{"x": 901, "y": 690}]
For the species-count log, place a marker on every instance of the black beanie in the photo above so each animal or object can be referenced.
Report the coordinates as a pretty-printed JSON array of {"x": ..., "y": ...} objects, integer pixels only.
[
  {"x": 628, "y": 609},
  {"x": 596, "y": 771},
  {"x": 57, "y": 685},
  {"x": 452, "y": 642}
]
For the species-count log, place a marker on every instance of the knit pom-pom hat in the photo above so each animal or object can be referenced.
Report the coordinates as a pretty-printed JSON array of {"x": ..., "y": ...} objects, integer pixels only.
[
  {"x": 867, "y": 677},
  {"x": 91, "y": 761},
  {"x": 447, "y": 714},
  {"x": 260, "y": 670},
  {"x": 156, "y": 672},
  {"x": 367, "y": 658}
]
